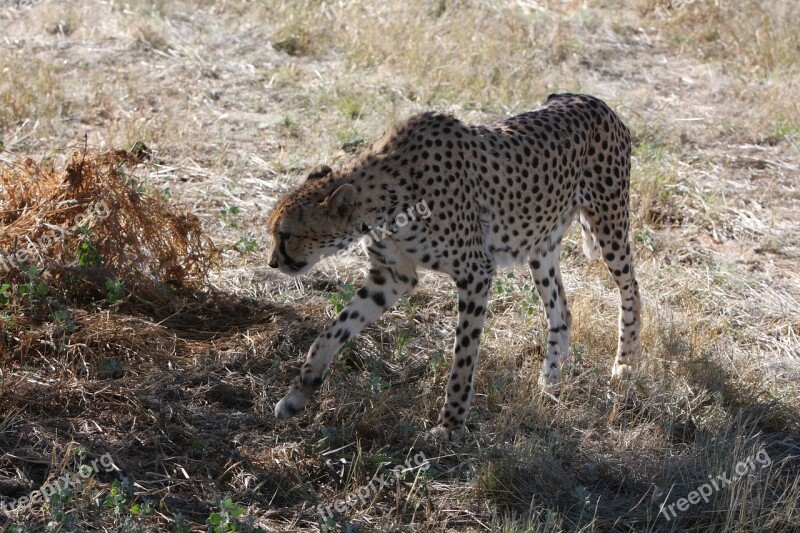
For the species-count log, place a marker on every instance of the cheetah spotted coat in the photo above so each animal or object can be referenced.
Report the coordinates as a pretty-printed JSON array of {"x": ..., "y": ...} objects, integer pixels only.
[{"x": 498, "y": 195}]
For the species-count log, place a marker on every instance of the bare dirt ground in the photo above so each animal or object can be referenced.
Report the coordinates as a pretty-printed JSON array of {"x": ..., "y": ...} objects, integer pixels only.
[{"x": 236, "y": 100}]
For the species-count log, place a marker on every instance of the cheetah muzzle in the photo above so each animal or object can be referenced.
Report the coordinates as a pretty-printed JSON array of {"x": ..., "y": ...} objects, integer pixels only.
[{"x": 497, "y": 195}]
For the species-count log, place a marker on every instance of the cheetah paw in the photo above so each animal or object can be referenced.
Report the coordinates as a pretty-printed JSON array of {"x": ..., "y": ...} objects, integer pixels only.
[
  {"x": 290, "y": 405},
  {"x": 443, "y": 434},
  {"x": 549, "y": 385},
  {"x": 621, "y": 372}
]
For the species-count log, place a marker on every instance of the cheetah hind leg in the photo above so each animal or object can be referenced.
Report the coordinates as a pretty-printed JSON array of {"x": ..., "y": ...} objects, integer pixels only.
[
  {"x": 617, "y": 255},
  {"x": 591, "y": 246}
]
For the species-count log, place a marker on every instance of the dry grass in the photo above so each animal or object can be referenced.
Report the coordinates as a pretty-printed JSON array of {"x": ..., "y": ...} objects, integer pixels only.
[
  {"x": 762, "y": 37},
  {"x": 177, "y": 381}
]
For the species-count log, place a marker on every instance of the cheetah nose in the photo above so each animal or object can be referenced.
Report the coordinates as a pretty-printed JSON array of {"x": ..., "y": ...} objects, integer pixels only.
[{"x": 273, "y": 263}]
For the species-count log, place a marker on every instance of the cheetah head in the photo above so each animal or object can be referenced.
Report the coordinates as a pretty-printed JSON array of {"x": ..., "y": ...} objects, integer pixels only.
[{"x": 311, "y": 223}]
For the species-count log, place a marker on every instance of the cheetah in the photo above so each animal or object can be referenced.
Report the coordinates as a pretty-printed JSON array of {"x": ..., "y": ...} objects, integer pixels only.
[{"x": 499, "y": 195}]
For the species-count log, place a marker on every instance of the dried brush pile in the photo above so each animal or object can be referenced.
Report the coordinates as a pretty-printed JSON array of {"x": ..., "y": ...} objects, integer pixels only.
[
  {"x": 91, "y": 215},
  {"x": 90, "y": 236}
]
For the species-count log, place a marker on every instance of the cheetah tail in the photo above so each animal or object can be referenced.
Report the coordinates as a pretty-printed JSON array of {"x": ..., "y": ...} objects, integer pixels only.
[{"x": 590, "y": 245}]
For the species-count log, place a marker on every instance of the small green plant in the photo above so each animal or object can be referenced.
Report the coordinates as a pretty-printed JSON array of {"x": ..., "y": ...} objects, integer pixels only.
[
  {"x": 403, "y": 338},
  {"x": 247, "y": 243},
  {"x": 226, "y": 519},
  {"x": 341, "y": 298},
  {"x": 350, "y": 106},
  {"x": 5, "y": 294},
  {"x": 437, "y": 360},
  {"x": 63, "y": 320},
  {"x": 181, "y": 525},
  {"x": 377, "y": 384},
  {"x": 120, "y": 504},
  {"x": 137, "y": 185},
  {"x": 121, "y": 493},
  {"x": 58, "y": 504},
  {"x": 531, "y": 300},
  {"x": 116, "y": 289},
  {"x": 87, "y": 254},
  {"x": 229, "y": 216},
  {"x": 351, "y": 139},
  {"x": 142, "y": 510},
  {"x": 644, "y": 238},
  {"x": 786, "y": 129},
  {"x": 504, "y": 286},
  {"x": 290, "y": 126},
  {"x": 34, "y": 288}
]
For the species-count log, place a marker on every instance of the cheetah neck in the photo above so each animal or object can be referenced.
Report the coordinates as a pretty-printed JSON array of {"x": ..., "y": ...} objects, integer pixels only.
[{"x": 379, "y": 200}]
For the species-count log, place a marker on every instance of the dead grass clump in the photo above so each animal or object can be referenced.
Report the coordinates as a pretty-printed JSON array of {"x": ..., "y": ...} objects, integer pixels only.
[
  {"x": 94, "y": 216},
  {"x": 76, "y": 241}
]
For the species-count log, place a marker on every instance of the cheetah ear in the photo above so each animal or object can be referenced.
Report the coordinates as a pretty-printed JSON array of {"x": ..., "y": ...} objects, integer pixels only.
[
  {"x": 341, "y": 202},
  {"x": 318, "y": 172}
]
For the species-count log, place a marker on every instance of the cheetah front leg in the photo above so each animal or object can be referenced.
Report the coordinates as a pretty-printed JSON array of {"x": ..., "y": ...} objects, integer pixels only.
[
  {"x": 385, "y": 285},
  {"x": 473, "y": 297}
]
